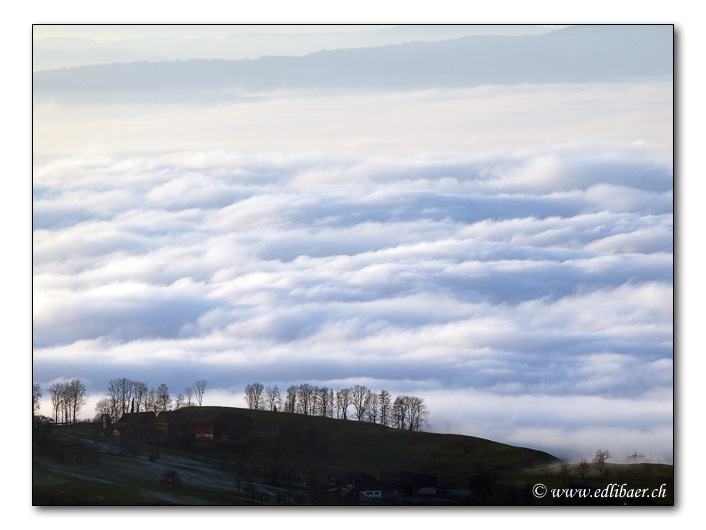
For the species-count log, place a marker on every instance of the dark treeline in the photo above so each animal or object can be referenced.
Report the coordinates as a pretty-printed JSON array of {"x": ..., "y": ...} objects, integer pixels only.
[
  {"x": 125, "y": 395},
  {"x": 357, "y": 402}
]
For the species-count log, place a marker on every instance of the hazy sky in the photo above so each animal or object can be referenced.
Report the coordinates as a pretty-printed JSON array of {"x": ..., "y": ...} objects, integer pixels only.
[{"x": 505, "y": 252}]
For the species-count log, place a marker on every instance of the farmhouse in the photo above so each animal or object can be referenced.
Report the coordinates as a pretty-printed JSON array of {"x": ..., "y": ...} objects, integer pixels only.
[
  {"x": 135, "y": 424},
  {"x": 205, "y": 423},
  {"x": 355, "y": 485},
  {"x": 401, "y": 482}
]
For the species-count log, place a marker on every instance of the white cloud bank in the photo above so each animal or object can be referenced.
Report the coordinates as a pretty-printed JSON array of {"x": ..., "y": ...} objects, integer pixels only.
[{"x": 504, "y": 252}]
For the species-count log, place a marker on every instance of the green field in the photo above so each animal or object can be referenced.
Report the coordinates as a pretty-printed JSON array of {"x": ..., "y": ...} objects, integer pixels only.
[{"x": 286, "y": 459}]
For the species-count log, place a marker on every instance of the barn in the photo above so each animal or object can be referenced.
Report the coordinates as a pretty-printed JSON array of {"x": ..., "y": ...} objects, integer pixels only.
[
  {"x": 205, "y": 423},
  {"x": 135, "y": 425},
  {"x": 353, "y": 484}
]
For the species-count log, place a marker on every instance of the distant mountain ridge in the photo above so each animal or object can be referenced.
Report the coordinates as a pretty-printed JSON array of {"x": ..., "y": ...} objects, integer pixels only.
[
  {"x": 570, "y": 55},
  {"x": 246, "y": 42}
]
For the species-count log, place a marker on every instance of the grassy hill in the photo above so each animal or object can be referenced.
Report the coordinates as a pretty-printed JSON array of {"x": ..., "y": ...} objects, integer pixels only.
[
  {"x": 333, "y": 445},
  {"x": 286, "y": 459}
]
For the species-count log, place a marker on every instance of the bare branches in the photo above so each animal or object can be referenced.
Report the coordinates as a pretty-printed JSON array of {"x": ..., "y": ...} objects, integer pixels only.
[
  {"x": 163, "y": 400},
  {"x": 306, "y": 399},
  {"x": 200, "y": 390},
  {"x": 385, "y": 408},
  {"x": 343, "y": 401},
  {"x": 67, "y": 399},
  {"x": 359, "y": 394},
  {"x": 291, "y": 400},
  {"x": 104, "y": 408},
  {"x": 273, "y": 400},
  {"x": 635, "y": 458},
  {"x": 140, "y": 392},
  {"x": 56, "y": 391},
  {"x": 601, "y": 460},
  {"x": 126, "y": 395},
  {"x": 76, "y": 396},
  {"x": 253, "y": 396},
  {"x": 371, "y": 407}
]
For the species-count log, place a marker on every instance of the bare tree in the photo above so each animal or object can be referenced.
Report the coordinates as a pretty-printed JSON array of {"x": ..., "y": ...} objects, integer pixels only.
[
  {"x": 151, "y": 401},
  {"x": 314, "y": 400},
  {"x": 371, "y": 407},
  {"x": 103, "y": 408},
  {"x": 140, "y": 393},
  {"x": 200, "y": 390},
  {"x": 75, "y": 396},
  {"x": 36, "y": 395},
  {"x": 253, "y": 396},
  {"x": 385, "y": 408},
  {"x": 290, "y": 403},
  {"x": 322, "y": 403},
  {"x": 601, "y": 460},
  {"x": 189, "y": 395},
  {"x": 343, "y": 401},
  {"x": 115, "y": 399},
  {"x": 66, "y": 400},
  {"x": 399, "y": 412},
  {"x": 409, "y": 412},
  {"x": 329, "y": 399},
  {"x": 359, "y": 394},
  {"x": 163, "y": 400},
  {"x": 179, "y": 401},
  {"x": 417, "y": 413},
  {"x": 125, "y": 392},
  {"x": 305, "y": 393},
  {"x": 65, "y": 403},
  {"x": 634, "y": 458},
  {"x": 331, "y": 403},
  {"x": 272, "y": 398},
  {"x": 121, "y": 391},
  {"x": 56, "y": 391}
]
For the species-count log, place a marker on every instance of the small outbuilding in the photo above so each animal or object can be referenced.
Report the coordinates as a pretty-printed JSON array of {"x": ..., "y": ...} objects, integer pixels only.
[{"x": 402, "y": 482}]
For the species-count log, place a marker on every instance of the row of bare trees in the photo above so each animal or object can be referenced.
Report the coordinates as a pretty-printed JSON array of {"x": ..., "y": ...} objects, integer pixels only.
[
  {"x": 405, "y": 412},
  {"x": 125, "y": 395},
  {"x": 67, "y": 399},
  {"x": 583, "y": 466}
]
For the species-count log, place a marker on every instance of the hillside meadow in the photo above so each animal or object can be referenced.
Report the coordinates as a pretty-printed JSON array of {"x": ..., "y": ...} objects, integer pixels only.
[{"x": 287, "y": 459}]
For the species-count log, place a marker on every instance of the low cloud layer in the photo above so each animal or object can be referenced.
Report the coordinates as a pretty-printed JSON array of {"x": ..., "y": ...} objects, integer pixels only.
[{"x": 526, "y": 293}]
